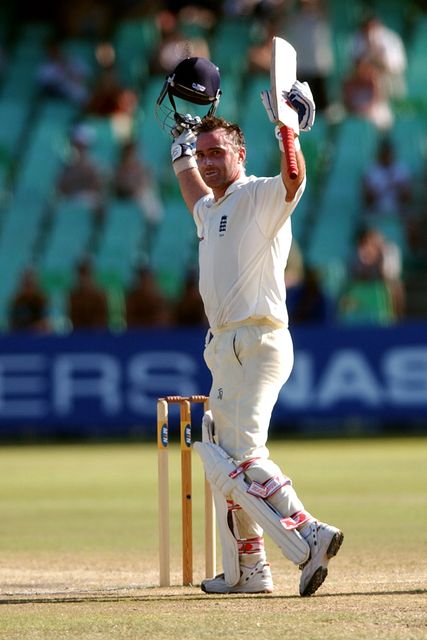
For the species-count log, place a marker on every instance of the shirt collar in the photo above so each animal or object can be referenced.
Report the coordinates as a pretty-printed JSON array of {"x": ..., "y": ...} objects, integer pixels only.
[{"x": 231, "y": 189}]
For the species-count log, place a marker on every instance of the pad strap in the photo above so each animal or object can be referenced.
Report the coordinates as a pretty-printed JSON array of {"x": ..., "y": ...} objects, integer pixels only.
[
  {"x": 250, "y": 546},
  {"x": 297, "y": 520},
  {"x": 220, "y": 468},
  {"x": 261, "y": 490}
]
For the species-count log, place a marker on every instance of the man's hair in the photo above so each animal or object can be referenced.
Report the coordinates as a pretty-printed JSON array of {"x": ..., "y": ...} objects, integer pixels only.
[{"x": 233, "y": 131}]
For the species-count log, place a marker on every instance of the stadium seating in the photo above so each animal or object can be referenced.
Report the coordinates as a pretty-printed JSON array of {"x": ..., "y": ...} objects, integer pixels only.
[
  {"x": 34, "y": 140},
  {"x": 415, "y": 77},
  {"x": 66, "y": 242},
  {"x": 121, "y": 243},
  {"x": 174, "y": 250},
  {"x": 340, "y": 202},
  {"x": 261, "y": 147}
]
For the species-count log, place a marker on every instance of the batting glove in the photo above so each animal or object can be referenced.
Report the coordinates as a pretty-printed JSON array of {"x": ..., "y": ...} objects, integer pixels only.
[
  {"x": 300, "y": 98},
  {"x": 268, "y": 106},
  {"x": 302, "y": 101},
  {"x": 183, "y": 146},
  {"x": 183, "y": 122}
]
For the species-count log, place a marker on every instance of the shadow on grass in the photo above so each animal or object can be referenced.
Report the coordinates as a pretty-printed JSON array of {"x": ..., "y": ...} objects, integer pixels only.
[{"x": 114, "y": 597}]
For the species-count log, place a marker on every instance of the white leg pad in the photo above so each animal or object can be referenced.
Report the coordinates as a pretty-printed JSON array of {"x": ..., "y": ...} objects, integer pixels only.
[
  {"x": 208, "y": 427},
  {"x": 229, "y": 545},
  {"x": 218, "y": 466}
]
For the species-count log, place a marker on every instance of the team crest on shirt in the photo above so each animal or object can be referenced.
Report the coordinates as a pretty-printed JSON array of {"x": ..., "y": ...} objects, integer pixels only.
[{"x": 222, "y": 225}]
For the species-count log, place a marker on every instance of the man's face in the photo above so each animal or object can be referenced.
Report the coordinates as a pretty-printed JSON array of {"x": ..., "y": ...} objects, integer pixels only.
[{"x": 220, "y": 163}]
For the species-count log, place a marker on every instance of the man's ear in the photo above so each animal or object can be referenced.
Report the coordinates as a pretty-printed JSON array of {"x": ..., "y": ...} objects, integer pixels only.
[{"x": 242, "y": 154}]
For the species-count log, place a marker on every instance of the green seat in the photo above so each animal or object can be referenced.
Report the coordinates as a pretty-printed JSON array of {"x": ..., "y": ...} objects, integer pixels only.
[
  {"x": 134, "y": 42},
  {"x": 13, "y": 119},
  {"x": 229, "y": 107},
  {"x": 229, "y": 45},
  {"x": 12, "y": 264},
  {"x": 262, "y": 149},
  {"x": 344, "y": 18},
  {"x": 41, "y": 163},
  {"x": 415, "y": 75},
  {"x": 20, "y": 81},
  {"x": 21, "y": 226},
  {"x": 154, "y": 144},
  {"x": 174, "y": 248},
  {"x": 340, "y": 201},
  {"x": 394, "y": 14},
  {"x": 120, "y": 245},
  {"x": 301, "y": 216},
  {"x": 67, "y": 242},
  {"x": 105, "y": 145},
  {"x": 82, "y": 49},
  {"x": 409, "y": 135},
  {"x": 315, "y": 146}
]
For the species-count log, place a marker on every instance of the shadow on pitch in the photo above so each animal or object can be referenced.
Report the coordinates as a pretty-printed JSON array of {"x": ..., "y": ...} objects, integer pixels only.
[{"x": 99, "y": 597}]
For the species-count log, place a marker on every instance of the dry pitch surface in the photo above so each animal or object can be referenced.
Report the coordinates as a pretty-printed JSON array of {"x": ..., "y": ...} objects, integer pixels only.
[{"x": 86, "y": 565}]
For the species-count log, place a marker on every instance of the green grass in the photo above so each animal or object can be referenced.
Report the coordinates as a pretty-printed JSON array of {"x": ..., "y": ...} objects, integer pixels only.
[{"x": 78, "y": 546}]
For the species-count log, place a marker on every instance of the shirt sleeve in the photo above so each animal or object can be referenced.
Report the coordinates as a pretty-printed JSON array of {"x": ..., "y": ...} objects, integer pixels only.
[
  {"x": 199, "y": 214},
  {"x": 271, "y": 207}
]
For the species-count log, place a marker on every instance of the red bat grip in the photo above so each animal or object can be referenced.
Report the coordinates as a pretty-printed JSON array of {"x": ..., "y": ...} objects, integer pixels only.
[{"x": 287, "y": 134}]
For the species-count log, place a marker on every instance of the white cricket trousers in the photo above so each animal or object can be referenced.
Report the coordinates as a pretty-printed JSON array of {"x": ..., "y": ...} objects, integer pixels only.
[{"x": 249, "y": 365}]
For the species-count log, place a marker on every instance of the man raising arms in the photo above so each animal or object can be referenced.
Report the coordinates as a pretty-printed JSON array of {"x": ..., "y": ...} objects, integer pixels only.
[{"x": 243, "y": 223}]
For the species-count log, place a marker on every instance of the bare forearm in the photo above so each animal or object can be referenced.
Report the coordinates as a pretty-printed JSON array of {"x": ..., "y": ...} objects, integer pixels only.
[
  {"x": 292, "y": 185},
  {"x": 192, "y": 187}
]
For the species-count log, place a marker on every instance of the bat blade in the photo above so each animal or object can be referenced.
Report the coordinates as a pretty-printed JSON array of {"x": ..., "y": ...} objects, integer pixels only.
[{"x": 283, "y": 73}]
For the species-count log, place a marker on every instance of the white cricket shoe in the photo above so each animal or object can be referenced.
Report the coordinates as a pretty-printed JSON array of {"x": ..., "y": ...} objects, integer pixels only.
[
  {"x": 324, "y": 541},
  {"x": 256, "y": 579}
]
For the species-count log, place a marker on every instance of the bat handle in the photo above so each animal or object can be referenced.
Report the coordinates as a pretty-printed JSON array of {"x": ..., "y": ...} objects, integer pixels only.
[{"x": 287, "y": 134}]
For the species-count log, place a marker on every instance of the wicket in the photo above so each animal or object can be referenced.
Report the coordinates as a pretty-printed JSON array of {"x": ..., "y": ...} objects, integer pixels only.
[{"x": 186, "y": 490}]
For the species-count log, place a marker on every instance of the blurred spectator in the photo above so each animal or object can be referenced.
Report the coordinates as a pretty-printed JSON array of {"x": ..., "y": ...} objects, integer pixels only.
[
  {"x": 87, "y": 302},
  {"x": 81, "y": 177},
  {"x": 309, "y": 303},
  {"x": 385, "y": 50},
  {"x": 259, "y": 53},
  {"x": 28, "y": 309},
  {"x": 197, "y": 19},
  {"x": 388, "y": 196},
  {"x": 84, "y": 18},
  {"x": 387, "y": 183},
  {"x": 308, "y": 29},
  {"x": 374, "y": 258},
  {"x": 145, "y": 304},
  {"x": 133, "y": 179},
  {"x": 189, "y": 310},
  {"x": 363, "y": 95},
  {"x": 251, "y": 8},
  {"x": 109, "y": 97},
  {"x": 378, "y": 261},
  {"x": 63, "y": 76},
  {"x": 174, "y": 45}
]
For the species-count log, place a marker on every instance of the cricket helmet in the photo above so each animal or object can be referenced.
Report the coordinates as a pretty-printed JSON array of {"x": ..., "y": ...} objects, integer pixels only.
[{"x": 194, "y": 80}]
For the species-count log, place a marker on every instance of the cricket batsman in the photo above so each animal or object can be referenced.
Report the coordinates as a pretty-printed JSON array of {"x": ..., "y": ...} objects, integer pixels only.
[{"x": 244, "y": 227}]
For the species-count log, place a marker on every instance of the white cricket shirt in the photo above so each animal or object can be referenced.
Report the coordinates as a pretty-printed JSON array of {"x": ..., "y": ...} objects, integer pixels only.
[{"x": 245, "y": 238}]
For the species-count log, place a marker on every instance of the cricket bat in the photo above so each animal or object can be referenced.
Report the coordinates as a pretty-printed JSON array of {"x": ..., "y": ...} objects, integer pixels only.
[{"x": 283, "y": 73}]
